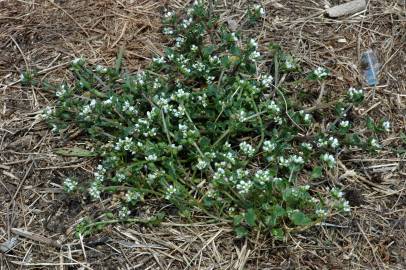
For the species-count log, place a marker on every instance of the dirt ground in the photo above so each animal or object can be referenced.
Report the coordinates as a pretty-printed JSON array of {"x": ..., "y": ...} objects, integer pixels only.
[{"x": 46, "y": 35}]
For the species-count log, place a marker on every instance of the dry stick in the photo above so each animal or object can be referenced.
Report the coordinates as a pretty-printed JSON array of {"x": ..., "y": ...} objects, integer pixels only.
[
  {"x": 41, "y": 72},
  {"x": 322, "y": 88},
  {"x": 369, "y": 243},
  {"x": 22, "y": 181},
  {"x": 26, "y": 67},
  {"x": 70, "y": 16},
  {"x": 36, "y": 237},
  {"x": 121, "y": 35},
  {"x": 22, "y": 54}
]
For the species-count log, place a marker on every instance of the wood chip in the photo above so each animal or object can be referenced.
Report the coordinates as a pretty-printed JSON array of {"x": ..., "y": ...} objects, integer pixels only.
[
  {"x": 347, "y": 8},
  {"x": 36, "y": 237}
]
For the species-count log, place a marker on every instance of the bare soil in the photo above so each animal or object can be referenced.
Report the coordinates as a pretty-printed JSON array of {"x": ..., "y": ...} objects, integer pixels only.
[{"x": 45, "y": 35}]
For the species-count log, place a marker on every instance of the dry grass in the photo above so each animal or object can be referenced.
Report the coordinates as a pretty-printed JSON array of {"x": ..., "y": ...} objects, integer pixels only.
[{"x": 46, "y": 35}]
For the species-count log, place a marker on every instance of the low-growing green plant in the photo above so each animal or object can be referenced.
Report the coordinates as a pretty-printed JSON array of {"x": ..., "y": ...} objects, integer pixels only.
[{"x": 205, "y": 128}]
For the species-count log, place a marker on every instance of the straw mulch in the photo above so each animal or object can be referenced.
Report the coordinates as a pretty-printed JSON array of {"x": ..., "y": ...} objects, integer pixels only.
[{"x": 46, "y": 35}]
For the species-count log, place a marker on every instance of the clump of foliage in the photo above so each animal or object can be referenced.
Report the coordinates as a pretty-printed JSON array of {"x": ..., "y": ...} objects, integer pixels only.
[{"x": 205, "y": 129}]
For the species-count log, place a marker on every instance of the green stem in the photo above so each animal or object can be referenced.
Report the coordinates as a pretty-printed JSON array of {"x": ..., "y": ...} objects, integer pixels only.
[
  {"x": 260, "y": 123},
  {"x": 165, "y": 127}
]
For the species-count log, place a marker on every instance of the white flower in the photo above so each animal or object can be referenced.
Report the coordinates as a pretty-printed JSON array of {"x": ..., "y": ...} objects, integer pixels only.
[
  {"x": 322, "y": 143},
  {"x": 124, "y": 212},
  {"x": 99, "y": 173},
  {"x": 329, "y": 159},
  {"x": 234, "y": 37},
  {"x": 170, "y": 191},
  {"x": 333, "y": 142},
  {"x": 220, "y": 173},
  {"x": 210, "y": 79},
  {"x": 169, "y": 14},
  {"x": 180, "y": 93},
  {"x": 179, "y": 41},
  {"x": 140, "y": 77},
  {"x": 168, "y": 31},
  {"x": 346, "y": 206},
  {"x": 244, "y": 186},
  {"x": 260, "y": 9},
  {"x": 307, "y": 146},
  {"x": 214, "y": 59},
  {"x": 266, "y": 80},
  {"x": 77, "y": 61},
  {"x": 94, "y": 190},
  {"x": 273, "y": 107},
  {"x": 199, "y": 66},
  {"x": 186, "y": 22},
  {"x": 120, "y": 177},
  {"x": 295, "y": 159},
  {"x": 242, "y": 115},
  {"x": 321, "y": 212},
  {"x": 54, "y": 128},
  {"x": 201, "y": 164},
  {"x": 108, "y": 101},
  {"x": 320, "y": 72},
  {"x": 247, "y": 149},
  {"x": 132, "y": 196},
  {"x": 159, "y": 60},
  {"x": 344, "y": 124},
  {"x": 151, "y": 157},
  {"x": 277, "y": 180},
  {"x": 125, "y": 144},
  {"x": 183, "y": 128},
  {"x": 47, "y": 112},
  {"x": 253, "y": 43},
  {"x": 101, "y": 69},
  {"x": 194, "y": 48},
  {"x": 88, "y": 108},
  {"x": 374, "y": 143},
  {"x": 283, "y": 162},
  {"x": 254, "y": 55},
  {"x": 290, "y": 63},
  {"x": 355, "y": 93},
  {"x": 268, "y": 146},
  {"x": 386, "y": 126},
  {"x": 262, "y": 177},
  {"x": 70, "y": 185},
  {"x": 62, "y": 91},
  {"x": 128, "y": 108},
  {"x": 307, "y": 118}
]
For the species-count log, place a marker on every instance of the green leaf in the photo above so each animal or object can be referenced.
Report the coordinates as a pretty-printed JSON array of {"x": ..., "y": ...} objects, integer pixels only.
[
  {"x": 270, "y": 220},
  {"x": 299, "y": 218},
  {"x": 241, "y": 231},
  {"x": 205, "y": 143},
  {"x": 208, "y": 50},
  {"x": 74, "y": 152},
  {"x": 403, "y": 137},
  {"x": 237, "y": 220},
  {"x": 278, "y": 233},
  {"x": 250, "y": 217},
  {"x": 370, "y": 124},
  {"x": 278, "y": 211},
  {"x": 316, "y": 172}
]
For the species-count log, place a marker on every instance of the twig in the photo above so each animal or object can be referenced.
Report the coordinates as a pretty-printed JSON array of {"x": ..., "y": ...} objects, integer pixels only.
[
  {"x": 70, "y": 16},
  {"x": 36, "y": 237}
]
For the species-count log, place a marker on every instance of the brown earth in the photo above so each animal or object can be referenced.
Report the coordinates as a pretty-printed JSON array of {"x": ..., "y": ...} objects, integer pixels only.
[{"x": 46, "y": 35}]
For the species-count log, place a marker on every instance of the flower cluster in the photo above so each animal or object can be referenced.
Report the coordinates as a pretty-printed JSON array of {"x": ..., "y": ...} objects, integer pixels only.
[
  {"x": 355, "y": 95},
  {"x": 320, "y": 73},
  {"x": 69, "y": 185}
]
